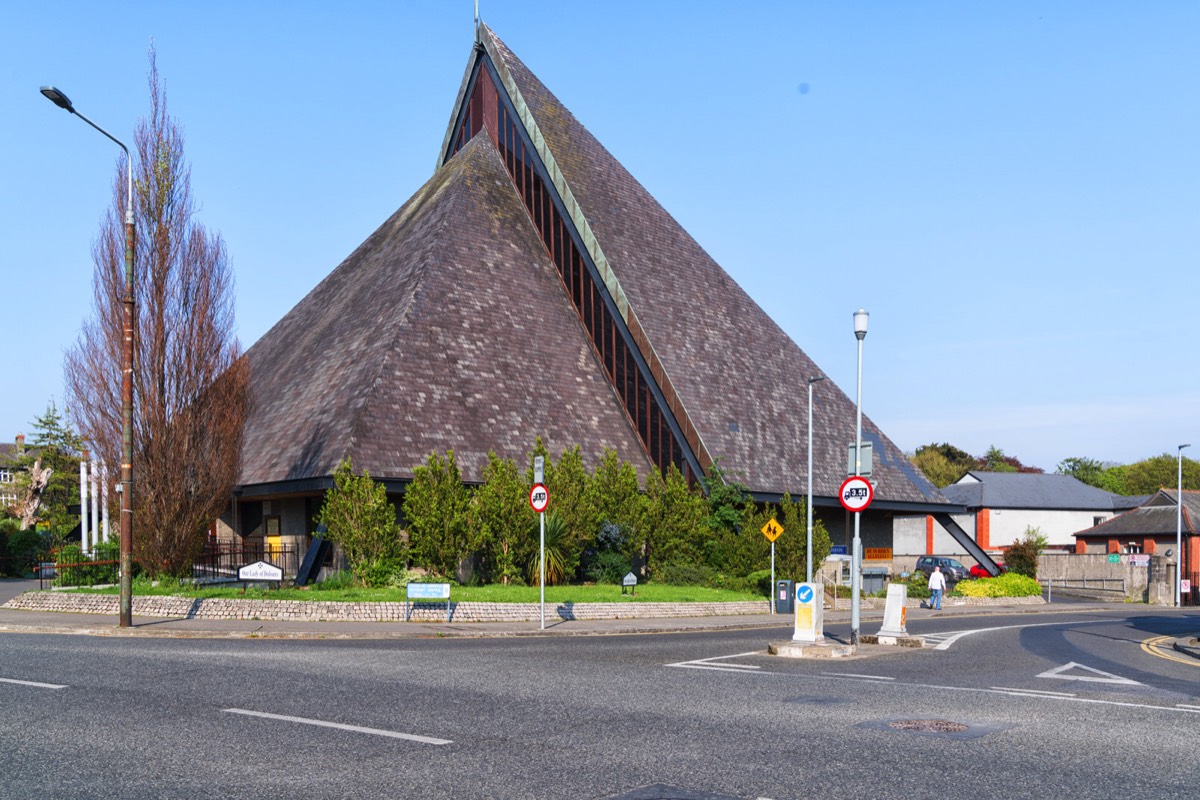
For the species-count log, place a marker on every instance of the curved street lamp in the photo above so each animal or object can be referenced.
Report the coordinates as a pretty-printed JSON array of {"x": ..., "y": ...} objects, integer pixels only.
[{"x": 126, "y": 488}]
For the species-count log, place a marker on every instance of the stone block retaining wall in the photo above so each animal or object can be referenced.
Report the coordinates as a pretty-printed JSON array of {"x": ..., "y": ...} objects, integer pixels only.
[{"x": 326, "y": 611}]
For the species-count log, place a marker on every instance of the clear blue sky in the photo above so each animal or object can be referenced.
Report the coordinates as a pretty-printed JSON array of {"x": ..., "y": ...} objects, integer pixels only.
[{"x": 1011, "y": 189}]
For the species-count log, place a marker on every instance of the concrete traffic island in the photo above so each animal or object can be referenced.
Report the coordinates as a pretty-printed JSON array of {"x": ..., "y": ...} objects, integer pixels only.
[
  {"x": 893, "y": 641},
  {"x": 794, "y": 649}
]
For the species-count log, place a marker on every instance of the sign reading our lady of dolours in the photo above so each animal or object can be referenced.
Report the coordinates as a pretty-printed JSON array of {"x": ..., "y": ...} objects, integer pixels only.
[{"x": 260, "y": 571}]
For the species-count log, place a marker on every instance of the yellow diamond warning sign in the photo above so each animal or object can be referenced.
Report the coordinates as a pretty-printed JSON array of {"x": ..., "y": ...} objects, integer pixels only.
[{"x": 772, "y": 530}]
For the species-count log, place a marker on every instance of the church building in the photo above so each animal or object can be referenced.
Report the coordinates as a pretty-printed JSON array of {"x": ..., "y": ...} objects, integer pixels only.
[{"x": 532, "y": 287}]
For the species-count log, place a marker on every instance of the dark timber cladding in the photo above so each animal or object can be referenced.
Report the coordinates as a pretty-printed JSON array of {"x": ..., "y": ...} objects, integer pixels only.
[{"x": 625, "y": 365}]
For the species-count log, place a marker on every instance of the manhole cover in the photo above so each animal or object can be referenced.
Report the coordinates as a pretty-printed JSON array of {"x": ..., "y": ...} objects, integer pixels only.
[{"x": 928, "y": 725}]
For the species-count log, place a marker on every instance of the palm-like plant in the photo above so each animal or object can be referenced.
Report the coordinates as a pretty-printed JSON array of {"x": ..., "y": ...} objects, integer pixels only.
[{"x": 556, "y": 555}]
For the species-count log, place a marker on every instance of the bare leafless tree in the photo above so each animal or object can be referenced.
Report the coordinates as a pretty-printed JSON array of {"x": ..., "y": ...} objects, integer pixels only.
[{"x": 190, "y": 379}]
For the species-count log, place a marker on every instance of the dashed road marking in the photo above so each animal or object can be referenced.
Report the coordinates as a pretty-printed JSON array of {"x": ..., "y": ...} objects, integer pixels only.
[
  {"x": 339, "y": 725},
  {"x": 35, "y": 684},
  {"x": 1033, "y": 692}
]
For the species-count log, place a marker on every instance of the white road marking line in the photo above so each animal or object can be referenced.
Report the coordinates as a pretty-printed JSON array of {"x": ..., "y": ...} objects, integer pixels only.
[
  {"x": 1185, "y": 705},
  {"x": 35, "y": 684},
  {"x": 340, "y": 726},
  {"x": 1097, "y": 676},
  {"x": 705, "y": 663},
  {"x": 1033, "y": 691},
  {"x": 951, "y": 637},
  {"x": 855, "y": 675},
  {"x": 1021, "y": 693}
]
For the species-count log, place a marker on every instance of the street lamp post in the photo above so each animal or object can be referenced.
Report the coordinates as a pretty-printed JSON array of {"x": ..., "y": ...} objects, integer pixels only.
[
  {"x": 808, "y": 505},
  {"x": 860, "y": 333},
  {"x": 1179, "y": 530},
  {"x": 126, "y": 580}
]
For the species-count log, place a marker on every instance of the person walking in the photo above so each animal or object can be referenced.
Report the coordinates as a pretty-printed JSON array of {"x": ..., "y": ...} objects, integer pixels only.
[{"x": 937, "y": 585}]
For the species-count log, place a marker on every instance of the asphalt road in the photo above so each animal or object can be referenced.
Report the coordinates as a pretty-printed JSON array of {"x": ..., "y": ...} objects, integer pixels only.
[{"x": 1069, "y": 705}]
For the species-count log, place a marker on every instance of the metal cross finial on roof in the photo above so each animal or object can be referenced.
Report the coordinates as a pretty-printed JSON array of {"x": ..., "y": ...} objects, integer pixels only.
[{"x": 476, "y": 14}]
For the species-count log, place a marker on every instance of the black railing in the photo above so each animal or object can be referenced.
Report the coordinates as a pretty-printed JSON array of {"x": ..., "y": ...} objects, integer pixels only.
[
  {"x": 221, "y": 560},
  {"x": 73, "y": 568}
]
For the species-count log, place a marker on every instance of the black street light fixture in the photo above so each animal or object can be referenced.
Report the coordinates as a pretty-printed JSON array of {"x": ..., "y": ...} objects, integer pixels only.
[{"x": 126, "y": 488}]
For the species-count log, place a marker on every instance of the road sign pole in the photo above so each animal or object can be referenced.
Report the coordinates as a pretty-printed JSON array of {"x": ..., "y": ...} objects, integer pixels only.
[
  {"x": 542, "y": 547},
  {"x": 539, "y": 501},
  {"x": 860, "y": 333},
  {"x": 773, "y": 601}
]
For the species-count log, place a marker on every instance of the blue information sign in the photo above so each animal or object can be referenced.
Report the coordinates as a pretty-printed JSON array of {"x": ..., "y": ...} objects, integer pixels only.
[
  {"x": 838, "y": 550},
  {"x": 804, "y": 593}
]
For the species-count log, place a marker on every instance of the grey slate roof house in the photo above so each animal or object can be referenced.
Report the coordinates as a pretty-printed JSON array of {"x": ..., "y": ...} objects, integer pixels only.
[
  {"x": 1001, "y": 505},
  {"x": 1151, "y": 527},
  {"x": 532, "y": 287}
]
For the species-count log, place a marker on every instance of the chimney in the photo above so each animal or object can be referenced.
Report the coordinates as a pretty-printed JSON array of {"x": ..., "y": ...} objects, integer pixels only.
[{"x": 20, "y": 443}]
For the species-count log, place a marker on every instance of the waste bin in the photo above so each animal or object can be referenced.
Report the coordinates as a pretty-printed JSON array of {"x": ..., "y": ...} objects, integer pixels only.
[
  {"x": 785, "y": 597},
  {"x": 873, "y": 579}
]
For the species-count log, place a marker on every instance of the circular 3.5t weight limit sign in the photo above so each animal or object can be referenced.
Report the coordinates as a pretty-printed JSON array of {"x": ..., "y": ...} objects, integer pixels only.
[
  {"x": 856, "y": 493},
  {"x": 539, "y": 498}
]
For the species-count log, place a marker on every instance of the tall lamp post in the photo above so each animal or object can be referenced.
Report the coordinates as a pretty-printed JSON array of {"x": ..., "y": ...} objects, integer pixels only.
[
  {"x": 808, "y": 505},
  {"x": 860, "y": 333},
  {"x": 126, "y": 600},
  {"x": 1179, "y": 530}
]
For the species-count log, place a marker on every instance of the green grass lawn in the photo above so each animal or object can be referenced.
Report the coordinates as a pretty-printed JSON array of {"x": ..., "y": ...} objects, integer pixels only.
[{"x": 646, "y": 593}]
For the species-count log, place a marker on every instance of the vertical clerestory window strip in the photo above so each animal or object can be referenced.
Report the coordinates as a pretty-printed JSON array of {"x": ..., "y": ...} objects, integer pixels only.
[{"x": 620, "y": 364}]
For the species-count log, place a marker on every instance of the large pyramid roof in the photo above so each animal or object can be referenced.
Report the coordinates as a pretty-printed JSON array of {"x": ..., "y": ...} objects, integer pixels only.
[
  {"x": 452, "y": 328},
  {"x": 446, "y": 329}
]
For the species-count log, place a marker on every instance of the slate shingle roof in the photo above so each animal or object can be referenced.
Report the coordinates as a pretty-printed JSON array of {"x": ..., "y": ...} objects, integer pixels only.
[
  {"x": 446, "y": 329},
  {"x": 1157, "y": 517},
  {"x": 449, "y": 329},
  {"x": 740, "y": 377},
  {"x": 1033, "y": 490}
]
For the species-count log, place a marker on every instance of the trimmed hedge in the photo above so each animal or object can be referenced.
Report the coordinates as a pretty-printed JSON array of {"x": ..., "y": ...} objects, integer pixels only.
[{"x": 1010, "y": 584}]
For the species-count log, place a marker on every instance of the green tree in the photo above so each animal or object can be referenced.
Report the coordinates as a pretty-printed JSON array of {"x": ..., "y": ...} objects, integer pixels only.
[
  {"x": 792, "y": 545},
  {"x": 995, "y": 461},
  {"x": 943, "y": 464},
  {"x": 674, "y": 521},
  {"x": 619, "y": 502},
  {"x": 1152, "y": 474},
  {"x": 1082, "y": 469},
  {"x": 437, "y": 510},
  {"x": 729, "y": 548},
  {"x": 59, "y": 447},
  {"x": 500, "y": 509},
  {"x": 359, "y": 518},
  {"x": 1022, "y": 556},
  {"x": 572, "y": 500}
]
